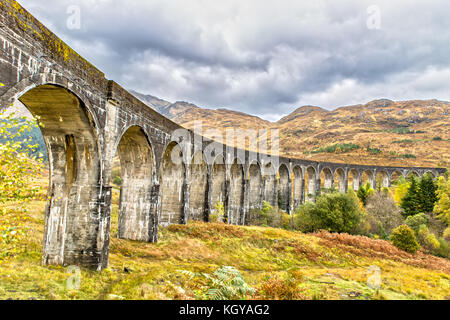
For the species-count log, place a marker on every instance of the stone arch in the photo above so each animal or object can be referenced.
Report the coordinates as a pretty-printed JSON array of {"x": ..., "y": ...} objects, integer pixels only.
[
  {"x": 269, "y": 182},
  {"x": 255, "y": 186},
  {"x": 327, "y": 178},
  {"x": 297, "y": 186},
  {"x": 284, "y": 190},
  {"x": 218, "y": 183},
  {"x": 74, "y": 217},
  {"x": 236, "y": 197},
  {"x": 433, "y": 174},
  {"x": 340, "y": 180},
  {"x": 137, "y": 163},
  {"x": 354, "y": 179},
  {"x": 383, "y": 179},
  {"x": 368, "y": 176},
  {"x": 396, "y": 176},
  {"x": 412, "y": 172},
  {"x": 198, "y": 196},
  {"x": 311, "y": 184},
  {"x": 172, "y": 176}
]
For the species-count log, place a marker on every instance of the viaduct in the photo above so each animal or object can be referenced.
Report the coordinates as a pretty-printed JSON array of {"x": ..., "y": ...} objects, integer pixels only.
[{"x": 169, "y": 175}]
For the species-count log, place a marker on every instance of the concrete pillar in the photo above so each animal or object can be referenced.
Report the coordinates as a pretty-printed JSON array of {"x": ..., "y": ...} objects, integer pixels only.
[
  {"x": 345, "y": 186},
  {"x": 246, "y": 201},
  {"x": 186, "y": 196},
  {"x": 303, "y": 196},
  {"x": 210, "y": 204}
]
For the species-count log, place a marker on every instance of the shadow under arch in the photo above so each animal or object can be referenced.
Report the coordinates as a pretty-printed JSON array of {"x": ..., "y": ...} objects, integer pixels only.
[
  {"x": 340, "y": 181},
  {"x": 137, "y": 198},
  {"x": 218, "y": 184},
  {"x": 284, "y": 197},
  {"x": 236, "y": 196},
  {"x": 198, "y": 197},
  {"x": 255, "y": 186},
  {"x": 312, "y": 186},
  {"x": 326, "y": 178},
  {"x": 269, "y": 183},
  {"x": 172, "y": 175},
  {"x": 74, "y": 220},
  {"x": 298, "y": 191}
]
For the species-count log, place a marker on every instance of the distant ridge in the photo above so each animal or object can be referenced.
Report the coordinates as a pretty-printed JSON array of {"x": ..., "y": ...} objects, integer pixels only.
[{"x": 410, "y": 133}]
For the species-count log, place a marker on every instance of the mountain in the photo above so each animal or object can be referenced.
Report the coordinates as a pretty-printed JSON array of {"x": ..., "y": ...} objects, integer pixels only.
[{"x": 383, "y": 132}]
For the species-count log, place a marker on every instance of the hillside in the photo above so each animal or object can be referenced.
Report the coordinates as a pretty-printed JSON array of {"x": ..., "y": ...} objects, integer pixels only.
[
  {"x": 278, "y": 264},
  {"x": 384, "y": 132}
]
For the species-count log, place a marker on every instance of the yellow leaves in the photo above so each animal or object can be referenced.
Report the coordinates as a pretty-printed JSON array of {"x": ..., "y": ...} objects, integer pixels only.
[
  {"x": 17, "y": 170},
  {"x": 442, "y": 207}
]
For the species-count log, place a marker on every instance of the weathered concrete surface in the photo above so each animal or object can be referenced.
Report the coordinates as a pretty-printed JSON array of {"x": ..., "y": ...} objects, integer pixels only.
[
  {"x": 199, "y": 189},
  {"x": 284, "y": 188},
  {"x": 255, "y": 186},
  {"x": 138, "y": 170},
  {"x": 89, "y": 120},
  {"x": 236, "y": 197}
]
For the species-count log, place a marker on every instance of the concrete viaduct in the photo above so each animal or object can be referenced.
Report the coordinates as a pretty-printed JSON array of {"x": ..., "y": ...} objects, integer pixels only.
[{"x": 169, "y": 174}]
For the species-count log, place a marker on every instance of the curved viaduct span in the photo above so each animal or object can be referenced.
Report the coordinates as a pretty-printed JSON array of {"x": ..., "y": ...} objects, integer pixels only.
[{"x": 169, "y": 174}]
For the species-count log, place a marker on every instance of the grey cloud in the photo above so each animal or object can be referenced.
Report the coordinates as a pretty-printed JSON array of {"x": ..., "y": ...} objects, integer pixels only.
[{"x": 263, "y": 57}]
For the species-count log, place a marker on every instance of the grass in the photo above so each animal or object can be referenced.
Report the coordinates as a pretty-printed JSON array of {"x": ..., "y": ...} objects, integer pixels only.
[{"x": 279, "y": 264}]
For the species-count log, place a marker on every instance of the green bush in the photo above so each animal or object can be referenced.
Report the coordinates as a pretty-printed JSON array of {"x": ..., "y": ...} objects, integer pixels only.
[
  {"x": 416, "y": 221},
  {"x": 447, "y": 234},
  {"x": 443, "y": 250},
  {"x": 335, "y": 212},
  {"x": 403, "y": 238},
  {"x": 226, "y": 283},
  {"x": 268, "y": 216},
  {"x": 337, "y": 148},
  {"x": 427, "y": 239},
  {"x": 218, "y": 214},
  {"x": 365, "y": 192}
]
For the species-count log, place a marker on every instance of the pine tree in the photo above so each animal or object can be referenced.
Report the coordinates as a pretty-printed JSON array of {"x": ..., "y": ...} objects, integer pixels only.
[
  {"x": 410, "y": 202},
  {"x": 365, "y": 192},
  {"x": 427, "y": 194}
]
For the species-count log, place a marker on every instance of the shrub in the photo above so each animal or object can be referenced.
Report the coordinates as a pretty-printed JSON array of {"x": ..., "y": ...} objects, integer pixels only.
[
  {"x": 226, "y": 283},
  {"x": 267, "y": 216},
  {"x": 335, "y": 212},
  {"x": 365, "y": 192},
  {"x": 442, "y": 206},
  {"x": 444, "y": 249},
  {"x": 219, "y": 213},
  {"x": 416, "y": 221},
  {"x": 18, "y": 167},
  {"x": 403, "y": 238},
  {"x": 447, "y": 234},
  {"x": 382, "y": 214},
  {"x": 427, "y": 239}
]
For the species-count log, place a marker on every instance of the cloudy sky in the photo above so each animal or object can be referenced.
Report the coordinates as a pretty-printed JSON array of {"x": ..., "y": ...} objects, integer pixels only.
[{"x": 262, "y": 57}]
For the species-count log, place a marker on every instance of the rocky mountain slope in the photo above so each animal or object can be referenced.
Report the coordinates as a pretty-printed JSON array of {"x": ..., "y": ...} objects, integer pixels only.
[{"x": 384, "y": 132}]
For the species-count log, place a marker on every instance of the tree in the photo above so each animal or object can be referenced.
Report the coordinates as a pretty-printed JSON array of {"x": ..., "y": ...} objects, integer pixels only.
[
  {"x": 365, "y": 192},
  {"x": 427, "y": 194},
  {"x": 18, "y": 168},
  {"x": 442, "y": 207},
  {"x": 335, "y": 212},
  {"x": 383, "y": 214},
  {"x": 410, "y": 202},
  {"x": 403, "y": 238}
]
